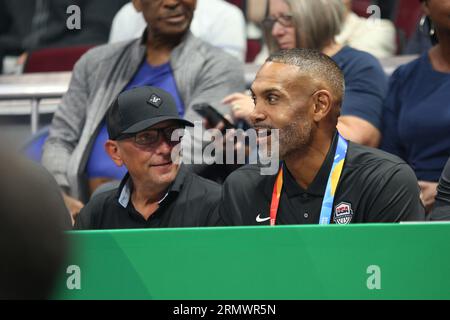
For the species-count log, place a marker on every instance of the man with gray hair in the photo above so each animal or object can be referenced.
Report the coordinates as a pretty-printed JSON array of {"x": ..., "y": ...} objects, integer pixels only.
[{"x": 323, "y": 178}]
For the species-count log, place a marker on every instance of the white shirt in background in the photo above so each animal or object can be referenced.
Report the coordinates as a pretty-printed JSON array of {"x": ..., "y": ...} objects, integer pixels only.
[
  {"x": 376, "y": 36},
  {"x": 215, "y": 21}
]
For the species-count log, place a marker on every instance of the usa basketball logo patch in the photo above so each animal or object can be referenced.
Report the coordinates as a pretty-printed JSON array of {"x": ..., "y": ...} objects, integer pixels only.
[{"x": 343, "y": 213}]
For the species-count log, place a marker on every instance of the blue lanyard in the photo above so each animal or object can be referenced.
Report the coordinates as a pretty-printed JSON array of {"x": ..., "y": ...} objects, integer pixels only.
[{"x": 333, "y": 180}]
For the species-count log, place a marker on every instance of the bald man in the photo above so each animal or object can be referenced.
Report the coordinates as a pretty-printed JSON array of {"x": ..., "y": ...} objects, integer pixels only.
[{"x": 323, "y": 178}]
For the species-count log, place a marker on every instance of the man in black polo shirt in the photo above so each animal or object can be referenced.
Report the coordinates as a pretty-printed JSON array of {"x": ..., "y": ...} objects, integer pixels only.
[
  {"x": 322, "y": 177},
  {"x": 156, "y": 192}
]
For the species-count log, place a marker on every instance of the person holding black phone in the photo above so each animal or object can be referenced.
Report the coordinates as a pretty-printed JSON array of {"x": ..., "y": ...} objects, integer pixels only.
[{"x": 214, "y": 118}]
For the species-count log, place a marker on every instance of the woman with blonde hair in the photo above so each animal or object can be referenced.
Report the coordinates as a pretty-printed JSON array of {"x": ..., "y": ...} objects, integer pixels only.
[{"x": 314, "y": 24}]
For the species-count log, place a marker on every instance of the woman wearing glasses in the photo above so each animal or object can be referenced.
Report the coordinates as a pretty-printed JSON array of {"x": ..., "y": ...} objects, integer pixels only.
[{"x": 314, "y": 24}]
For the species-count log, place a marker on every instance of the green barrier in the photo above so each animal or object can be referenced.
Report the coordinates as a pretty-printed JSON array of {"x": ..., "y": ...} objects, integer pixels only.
[{"x": 389, "y": 261}]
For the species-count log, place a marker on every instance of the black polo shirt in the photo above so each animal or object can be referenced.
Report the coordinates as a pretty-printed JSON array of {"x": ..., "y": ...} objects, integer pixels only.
[
  {"x": 191, "y": 201},
  {"x": 374, "y": 187}
]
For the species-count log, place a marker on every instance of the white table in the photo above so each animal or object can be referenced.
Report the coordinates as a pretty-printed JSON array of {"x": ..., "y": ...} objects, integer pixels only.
[
  {"x": 17, "y": 91},
  {"x": 31, "y": 88}
]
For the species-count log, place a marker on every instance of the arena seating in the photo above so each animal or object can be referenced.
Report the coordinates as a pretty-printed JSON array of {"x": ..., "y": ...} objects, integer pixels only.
[{"x": 54, "y": 59}]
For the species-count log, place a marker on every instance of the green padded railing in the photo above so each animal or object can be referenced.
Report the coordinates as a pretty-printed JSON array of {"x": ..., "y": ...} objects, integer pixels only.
[{"x": 377, "y": 261}]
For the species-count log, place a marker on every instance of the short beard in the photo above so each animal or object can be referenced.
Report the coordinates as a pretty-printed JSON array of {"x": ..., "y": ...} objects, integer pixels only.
[{"x": 295, "y": 137}]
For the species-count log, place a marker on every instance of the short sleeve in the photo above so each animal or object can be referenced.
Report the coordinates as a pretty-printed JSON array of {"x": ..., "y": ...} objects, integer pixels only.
[
  {"x": 397, "y": 197},
  {"x": 365, "y": 89}
]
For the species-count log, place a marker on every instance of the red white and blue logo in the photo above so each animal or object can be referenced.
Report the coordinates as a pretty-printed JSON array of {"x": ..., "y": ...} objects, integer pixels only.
[{"x": 343, "y": 213}]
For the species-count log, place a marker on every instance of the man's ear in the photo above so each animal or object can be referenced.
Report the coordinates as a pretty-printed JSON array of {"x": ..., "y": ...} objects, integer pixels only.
[
  {"x": 322, "y": 104},
  {"x": 113, "y": 150},
  {"x": 137, "y": 4}
]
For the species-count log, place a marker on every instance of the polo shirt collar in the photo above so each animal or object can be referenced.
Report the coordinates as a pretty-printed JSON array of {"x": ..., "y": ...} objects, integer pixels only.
[
  {"x": 126, "y": 187},
  {"x": 319, "y": 184},
  {"x": 125, "y": 191}
]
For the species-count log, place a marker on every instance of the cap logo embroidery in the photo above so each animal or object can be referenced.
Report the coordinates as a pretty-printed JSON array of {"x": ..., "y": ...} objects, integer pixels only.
[{"x": 155, "y": 101}]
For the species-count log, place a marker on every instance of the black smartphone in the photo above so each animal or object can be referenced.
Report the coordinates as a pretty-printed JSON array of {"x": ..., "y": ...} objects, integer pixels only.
[{"x": 213, "y": 116}]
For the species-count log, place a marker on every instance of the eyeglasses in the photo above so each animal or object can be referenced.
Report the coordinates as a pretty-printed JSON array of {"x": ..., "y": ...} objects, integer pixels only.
[
  {"x": 152, "y": 136},
  {"x": 286, "y": 20}
]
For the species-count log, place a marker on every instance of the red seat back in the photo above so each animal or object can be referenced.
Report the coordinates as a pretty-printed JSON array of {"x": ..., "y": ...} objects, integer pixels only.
[
  {"x": 54, "y": 59},
  {"x": 239, "y": 3},
  {"x": 407, "y": 16},
  {"x": 360, "y": 7},
  {"x": 253, "y": 48}
]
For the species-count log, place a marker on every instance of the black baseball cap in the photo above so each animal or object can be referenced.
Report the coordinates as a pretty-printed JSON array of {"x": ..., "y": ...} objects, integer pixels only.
[{"x": 140, "y": 108}]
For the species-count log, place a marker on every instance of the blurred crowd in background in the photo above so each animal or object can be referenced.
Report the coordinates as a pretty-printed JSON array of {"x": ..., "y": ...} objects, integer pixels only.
[{"x": 29, "y": 26}]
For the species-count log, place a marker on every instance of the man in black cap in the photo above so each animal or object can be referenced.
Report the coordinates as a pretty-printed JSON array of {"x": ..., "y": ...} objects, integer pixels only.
[
  {"x": 168, "y": 56},
  {"x": 157, "y": 191}
]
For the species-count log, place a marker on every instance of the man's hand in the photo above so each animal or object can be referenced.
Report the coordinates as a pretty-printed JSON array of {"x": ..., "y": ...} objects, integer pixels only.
[
  {"x": 241, "y": 105},
  {"x": 228, "y": 136},
  {"x": 73, "y": 205},
  {"x": 428, "y": 191}
]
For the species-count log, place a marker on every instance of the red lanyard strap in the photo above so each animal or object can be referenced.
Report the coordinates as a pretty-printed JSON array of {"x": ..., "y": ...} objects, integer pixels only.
[
  {"x": 276, "y": 197},
  {"x": 333, "y": 179}
]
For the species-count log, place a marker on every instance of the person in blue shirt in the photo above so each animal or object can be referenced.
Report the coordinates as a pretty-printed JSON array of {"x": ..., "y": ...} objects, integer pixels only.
[
  {"x": 100, "y": 168},
  {"x": 416, "y": 119},
  {"x": 314, "y": 24}
]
